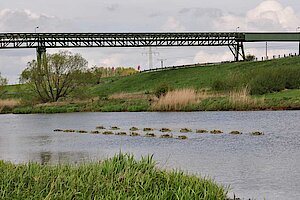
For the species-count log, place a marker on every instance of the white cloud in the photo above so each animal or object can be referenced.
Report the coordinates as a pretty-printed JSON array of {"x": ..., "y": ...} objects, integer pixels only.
[
  {"x": 269, "y": 15},
  {"x": 274, "y": 49},
  {"x": 203, "y": 56},
  {"x": 182, "y": 61},
  {"x": 11, "y": 65},
  {"x": 24, "y": 20},
  {"x": 173, "y": 24}
]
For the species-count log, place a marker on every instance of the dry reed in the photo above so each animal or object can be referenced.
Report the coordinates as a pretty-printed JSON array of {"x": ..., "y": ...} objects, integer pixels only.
[
  {"x": 242, "y": 98},
  {"x": 8, "y": 103},
  {"x": 204, "y": 94},
  {"x": 176, "y": 100}
]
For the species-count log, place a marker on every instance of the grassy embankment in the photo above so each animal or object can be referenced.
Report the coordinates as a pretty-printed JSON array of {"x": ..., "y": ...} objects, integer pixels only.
[
  {"x": 121, "y": 177},
  {"x": 272, "y": 85}
]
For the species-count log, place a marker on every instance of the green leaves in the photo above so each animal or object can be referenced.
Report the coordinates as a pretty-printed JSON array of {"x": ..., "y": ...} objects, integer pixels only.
[{"x": 55, "y": 76}]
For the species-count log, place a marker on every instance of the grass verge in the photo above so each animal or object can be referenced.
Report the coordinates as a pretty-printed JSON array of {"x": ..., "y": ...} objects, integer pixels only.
[{"x": 121, "y": 177}]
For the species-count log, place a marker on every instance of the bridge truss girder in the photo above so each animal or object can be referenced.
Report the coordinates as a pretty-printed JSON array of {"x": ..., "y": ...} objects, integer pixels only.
[{"x": 41, "y": 41}]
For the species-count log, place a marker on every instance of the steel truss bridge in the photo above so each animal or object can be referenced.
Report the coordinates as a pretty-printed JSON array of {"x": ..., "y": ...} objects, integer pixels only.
[{"x": 234, "y": 40}]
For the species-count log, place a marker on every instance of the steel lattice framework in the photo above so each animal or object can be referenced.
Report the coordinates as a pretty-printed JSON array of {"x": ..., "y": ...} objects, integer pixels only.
[
  {"x": 66, "y": 40},
  {"x": 234, "y": 40},
  {"x": 42, "y": 41}
]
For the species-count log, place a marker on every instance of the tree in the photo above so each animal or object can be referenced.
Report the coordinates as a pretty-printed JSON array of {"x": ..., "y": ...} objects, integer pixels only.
[
  {"x": 3, "y": 82},
  {"x": 56, "y": 76},
  {"x": 250, "y": 57}
]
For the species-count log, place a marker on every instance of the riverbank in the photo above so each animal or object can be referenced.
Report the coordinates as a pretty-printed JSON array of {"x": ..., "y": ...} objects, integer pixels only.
[
  {"x": 121, "y": 177},
  {"x": 241, "y": 86},
  {"x": 284, "y": 100}
]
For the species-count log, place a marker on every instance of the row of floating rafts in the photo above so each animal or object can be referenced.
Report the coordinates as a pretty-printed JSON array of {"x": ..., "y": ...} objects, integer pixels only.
[
  {"x": 133, "y": 134},
  {"x": 167, "y": 131}
]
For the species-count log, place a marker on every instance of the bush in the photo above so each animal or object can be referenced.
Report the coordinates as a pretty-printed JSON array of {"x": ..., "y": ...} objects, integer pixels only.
[
  {"x": 234, "y": 81},
  {"x": 292, "y": 78},
  {"x": 261, "y": 81},
  {"x": 161, "y": 90},
  {"x": 250, "y": 57},
  {"x": 220, "y": 85},
  {"x": 268, "y": 81}
]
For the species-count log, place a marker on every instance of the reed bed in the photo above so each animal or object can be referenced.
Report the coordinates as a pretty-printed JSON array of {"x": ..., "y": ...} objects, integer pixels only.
[
  {"x": 176, "y": 100},
  {"x": 8, "y": 103},
  {"x": 121, "y": 177},
  {"x": 190, "y": 99},
  {"x": 242, "y": 98},
  {"x": 181, "y": 99}
]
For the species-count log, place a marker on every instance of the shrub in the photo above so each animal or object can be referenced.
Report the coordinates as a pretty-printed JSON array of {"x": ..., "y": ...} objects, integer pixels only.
[
  {"x": 250, "y": 57},
  {"x": 267, "y": 81},
  {"x": 162, "y": 90},
  {"x": 232, "y": 81},
  {"x": 219, "y": 85},
  {"x": 292, "y": 78}
]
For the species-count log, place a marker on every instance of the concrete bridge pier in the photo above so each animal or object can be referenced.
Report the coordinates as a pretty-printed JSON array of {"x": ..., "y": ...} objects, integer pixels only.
[{"x": 41, "y": 56}]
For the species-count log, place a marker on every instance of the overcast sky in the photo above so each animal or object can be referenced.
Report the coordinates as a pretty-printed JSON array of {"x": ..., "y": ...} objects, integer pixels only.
[{"x": 145, "y": 16}]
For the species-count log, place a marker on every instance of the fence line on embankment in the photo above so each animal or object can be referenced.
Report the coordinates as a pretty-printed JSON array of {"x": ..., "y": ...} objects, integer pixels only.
[{"x": 216, "y": 63}]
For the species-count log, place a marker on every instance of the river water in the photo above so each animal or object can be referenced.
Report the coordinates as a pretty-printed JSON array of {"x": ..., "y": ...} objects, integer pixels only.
[{"x": 260, "y": 167}]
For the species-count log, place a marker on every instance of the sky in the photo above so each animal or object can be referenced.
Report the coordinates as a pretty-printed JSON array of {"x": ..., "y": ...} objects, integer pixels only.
[{"x": 145, "y": 16}]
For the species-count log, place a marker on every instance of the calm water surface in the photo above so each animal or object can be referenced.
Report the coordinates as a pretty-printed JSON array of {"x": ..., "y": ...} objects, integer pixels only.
[{"x": 254, "y": 166}]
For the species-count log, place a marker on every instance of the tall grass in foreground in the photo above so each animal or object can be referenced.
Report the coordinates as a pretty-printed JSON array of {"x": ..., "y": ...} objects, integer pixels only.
[{"x": 121, "y": 177}]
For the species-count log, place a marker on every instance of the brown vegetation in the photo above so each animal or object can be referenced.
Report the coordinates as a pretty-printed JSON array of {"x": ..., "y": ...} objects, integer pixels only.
[
  {"x": 8, "y": 103},
  {"x": 176, "y": 100},
  {"x": 242, "y": 98}
]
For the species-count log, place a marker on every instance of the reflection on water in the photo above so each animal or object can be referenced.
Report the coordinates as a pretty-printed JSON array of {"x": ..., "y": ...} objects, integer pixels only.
[
  {"x": 45, "y": 157},
  {"x": 40, "y": 139},
  {"x": 255, "y": 166},
  {"x": 48, "y": 157}
]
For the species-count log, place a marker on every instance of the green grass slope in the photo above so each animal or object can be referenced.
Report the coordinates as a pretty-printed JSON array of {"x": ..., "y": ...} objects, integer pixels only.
[
  {"x": 273, "y": 85},
  {"x": 198, "y": 77}
]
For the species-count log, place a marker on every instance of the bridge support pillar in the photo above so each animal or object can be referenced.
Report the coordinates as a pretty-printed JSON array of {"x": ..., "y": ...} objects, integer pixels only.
[
  {"x": 41, "y": 56},
  {"x": 238, "y": 50}
]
